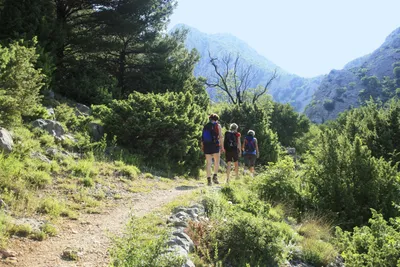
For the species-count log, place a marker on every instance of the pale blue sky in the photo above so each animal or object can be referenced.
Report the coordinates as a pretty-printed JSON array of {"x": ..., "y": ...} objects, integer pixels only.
[{"x": 304, "y": 37}]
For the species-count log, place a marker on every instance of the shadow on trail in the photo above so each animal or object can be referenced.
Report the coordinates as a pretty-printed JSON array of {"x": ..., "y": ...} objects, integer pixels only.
[{"x": 186, "y": 187}]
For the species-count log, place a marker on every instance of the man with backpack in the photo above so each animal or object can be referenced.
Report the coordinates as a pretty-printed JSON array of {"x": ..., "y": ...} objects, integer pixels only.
[
  {"x": 232, "y": 149},
  {"x": 250, "y": 151},
  {"x": 210, "y": 145}
]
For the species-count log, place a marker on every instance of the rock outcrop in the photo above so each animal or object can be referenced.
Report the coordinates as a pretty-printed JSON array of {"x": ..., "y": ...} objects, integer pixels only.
[
  {"x": 54, "y": 128},
  {"x": 6, "y": 141}
]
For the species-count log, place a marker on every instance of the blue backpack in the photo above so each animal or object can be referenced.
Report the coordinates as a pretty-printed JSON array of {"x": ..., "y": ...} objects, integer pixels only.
[
  {"x": 249, "y": 144},
  {"x": 210, "y": 133}
]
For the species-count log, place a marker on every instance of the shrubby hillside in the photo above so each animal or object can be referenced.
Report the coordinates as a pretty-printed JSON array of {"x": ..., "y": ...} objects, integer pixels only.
[{"x": 373, "y": 75}]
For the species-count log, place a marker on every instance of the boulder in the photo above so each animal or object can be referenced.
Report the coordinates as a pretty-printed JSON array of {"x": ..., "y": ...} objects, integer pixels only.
[
  {"x": 40, "y": 156},
  {"x": 52, "y": 127},
  {"x": 96, "y": 131},
  {"x": 50, "y": 112},
  {"x": 82, "y": 110},
  {"x": 6, "y": 141}
]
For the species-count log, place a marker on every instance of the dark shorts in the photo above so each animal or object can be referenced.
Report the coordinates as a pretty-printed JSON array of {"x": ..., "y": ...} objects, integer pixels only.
[
  {"x": 211, "y": 149},
  {"x": 250, "y": 160},
  {"x": 231, "y": 156}
]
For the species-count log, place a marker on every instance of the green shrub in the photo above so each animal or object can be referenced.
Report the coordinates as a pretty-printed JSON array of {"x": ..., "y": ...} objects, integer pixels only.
[
  {"x": 38, "y": 236},
  {"x": 51, "y": 206},
  {"x": 20, "y": 83},
  {"x": 129, "y": 171},
  {"x": 247, "y": 239},
  {"x": 374, "y": 245},
  {"x": 346, "y": 180},
  {"x": 280, "y": 183},
  {"x": 49, "y": 229},
  {"x": 22, "y": 230},
  {"x": 288, "y": 124},
  {"x": 252, "y": 117},
  {"x": 87, "y": 182},
  {"x": 318, "y": 252},
  {"x": 66, "y": 115},
  {"x": 38, "y": 179},
  {"x": 5, "y": 226},
  {"x": 84, "y": 168},
  {"x": 163, "y": 128}
]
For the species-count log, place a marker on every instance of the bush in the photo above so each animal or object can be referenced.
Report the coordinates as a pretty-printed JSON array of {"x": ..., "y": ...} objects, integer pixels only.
[
  {"x": 251, "y": 117},
  {"x": 288, "y": 124},
  {"x": 164, "y": 128},
  {"x": 20, "y": 83},
  {"x": 280, "y": 183},
  {"x": 346, "y": 180},
  {"x": 247, "y": 239},
  {"x": 374, "y": 245}
]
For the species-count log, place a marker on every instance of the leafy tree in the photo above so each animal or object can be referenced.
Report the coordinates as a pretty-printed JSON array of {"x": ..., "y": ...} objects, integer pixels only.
[
  {"x": 20, "y": 83},
  {"x": 164, "y": 128},
  {"x": 288, "y": 124}
]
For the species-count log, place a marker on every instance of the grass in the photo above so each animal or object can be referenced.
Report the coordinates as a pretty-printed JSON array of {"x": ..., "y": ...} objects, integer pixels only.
[
  {"x": 138, "y": 247},
  {"x": 316, "y": 249}
]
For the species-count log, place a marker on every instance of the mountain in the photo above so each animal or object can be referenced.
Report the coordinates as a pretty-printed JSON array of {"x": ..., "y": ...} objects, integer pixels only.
[
  {"x": 369, "y": 76},
  {"x": 286, "y": 88}
]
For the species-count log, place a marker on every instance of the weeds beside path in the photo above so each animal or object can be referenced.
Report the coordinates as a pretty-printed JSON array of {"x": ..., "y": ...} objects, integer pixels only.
[{"x": 90, "y": 235}]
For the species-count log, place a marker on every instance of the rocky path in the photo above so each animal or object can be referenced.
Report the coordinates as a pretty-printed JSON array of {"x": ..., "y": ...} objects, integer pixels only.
[{"x": 90, "y": 235}]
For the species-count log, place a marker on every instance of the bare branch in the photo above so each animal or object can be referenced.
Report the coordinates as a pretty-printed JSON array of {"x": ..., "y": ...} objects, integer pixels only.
[
  {"x": 222, "y": 77},
  {"x": 257, "y": 95}
]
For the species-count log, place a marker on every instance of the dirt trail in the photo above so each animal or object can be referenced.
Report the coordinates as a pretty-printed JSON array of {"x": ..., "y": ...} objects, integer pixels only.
[{"x": 91, "y": 233}]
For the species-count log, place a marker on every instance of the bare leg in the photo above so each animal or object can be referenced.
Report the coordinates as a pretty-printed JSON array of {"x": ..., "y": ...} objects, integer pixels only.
[
  {"x": 228, "y": 171},
  {"x": 216, "y": 167},
  {"x": 236, "y": 169},
  {"x": 216, "y": 162},
  {"x": 252, "y": 171},
  {"x": 208, "y": 164}
]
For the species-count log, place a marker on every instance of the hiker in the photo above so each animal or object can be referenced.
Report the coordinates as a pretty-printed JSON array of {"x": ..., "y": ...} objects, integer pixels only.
[
  {"x": 232, "y": 149},
  {"x": 210, "y": 145},
  {"x": 250, "y": 151}
]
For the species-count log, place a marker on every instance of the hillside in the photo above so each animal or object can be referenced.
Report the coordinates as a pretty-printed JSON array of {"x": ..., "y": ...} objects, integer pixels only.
[
  {"x": 287, "y": 88},
  {"x": 350, "y": 87}
]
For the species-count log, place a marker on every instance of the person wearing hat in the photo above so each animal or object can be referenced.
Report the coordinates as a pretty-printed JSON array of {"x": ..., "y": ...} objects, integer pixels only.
[
  {"x": 232, "y": 149},
  {"x": 250, "y": 151},
  {"x": 210, "y": 145}
]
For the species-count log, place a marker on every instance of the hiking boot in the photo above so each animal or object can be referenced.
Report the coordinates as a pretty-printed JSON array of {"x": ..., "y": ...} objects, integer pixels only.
[
  {"x": 215, "y": 180},
  {"x": 209, "y": 183}
]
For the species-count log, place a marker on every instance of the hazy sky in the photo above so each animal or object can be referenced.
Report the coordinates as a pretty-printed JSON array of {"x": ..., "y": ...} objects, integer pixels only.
[{"x": 305, "y": 37}]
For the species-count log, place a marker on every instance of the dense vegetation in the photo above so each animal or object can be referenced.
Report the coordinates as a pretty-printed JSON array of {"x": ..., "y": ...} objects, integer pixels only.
[{"x": 117, "y": 57}]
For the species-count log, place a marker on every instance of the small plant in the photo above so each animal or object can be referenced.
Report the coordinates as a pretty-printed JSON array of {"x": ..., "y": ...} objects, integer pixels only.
[
  {"x": 127, "y": 170},
  {"x": 51, "y": 206},
  {"x": 70, "y": 254},
  {"x": 87, "y": 182},
  {"x": 38, "y": 179},
  {"x": 38, "y": 235},
  {"x": 49, "y": 229},
  {"x": 22, "y": 230},
  {"x": 318, "y": 252}
]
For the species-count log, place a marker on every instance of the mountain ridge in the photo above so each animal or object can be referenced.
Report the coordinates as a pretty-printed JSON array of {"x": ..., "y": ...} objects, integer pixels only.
[{"x": 286, "y": 88}]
